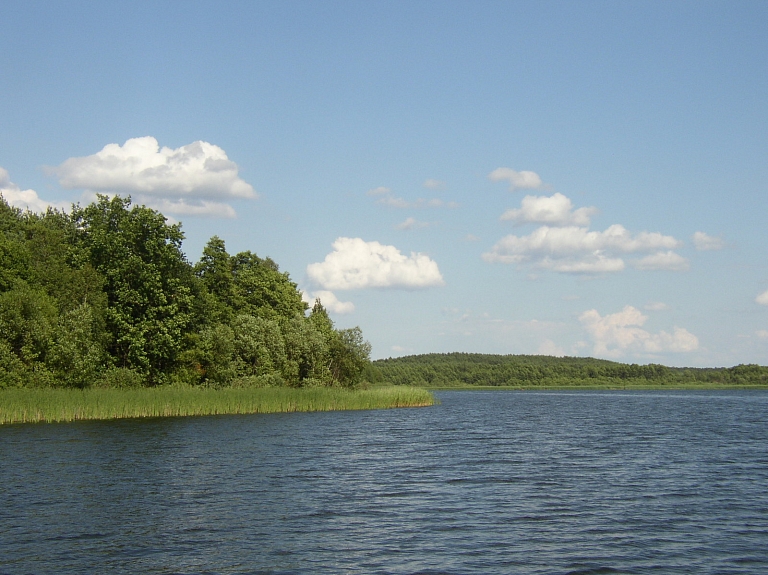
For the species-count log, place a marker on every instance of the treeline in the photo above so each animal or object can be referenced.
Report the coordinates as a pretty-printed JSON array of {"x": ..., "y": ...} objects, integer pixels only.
[
  {"x": 472, "y": 369},
  {"x": 103, "y": 295}
]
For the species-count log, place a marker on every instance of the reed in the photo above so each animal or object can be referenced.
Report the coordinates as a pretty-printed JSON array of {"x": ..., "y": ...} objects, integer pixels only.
[{"x": 55, "y": 405}]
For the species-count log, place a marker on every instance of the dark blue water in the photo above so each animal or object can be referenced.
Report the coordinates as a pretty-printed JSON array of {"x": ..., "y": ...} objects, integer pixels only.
[{"x": 485, "y": 483}]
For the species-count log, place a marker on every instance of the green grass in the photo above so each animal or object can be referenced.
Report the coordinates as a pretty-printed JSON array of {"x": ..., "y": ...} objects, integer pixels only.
[{"x": 53, "y": 405}]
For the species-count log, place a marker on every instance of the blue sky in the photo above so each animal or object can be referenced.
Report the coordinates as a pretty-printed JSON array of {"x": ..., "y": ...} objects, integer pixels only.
[{"x": 567, "y": 178}]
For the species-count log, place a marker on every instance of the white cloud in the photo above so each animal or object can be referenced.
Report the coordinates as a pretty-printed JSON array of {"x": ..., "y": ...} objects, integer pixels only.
[
  {"x": 762, "y": 333},
  {"x": 617, "y": 334},
  {"x": 202, "y": 208},
  {"x": 595, "y": 263},
  {"x": 190, "y": 180},
  {"x": 433, "y": 184},
  {"x": 25, "y": 199},
  {"x": 549, "y": 347},
  {"x": 669, "y": 261},
  {"x": 556, "y": 210},
  {"x": 411, "y": 224},
  {"x": 573, "y": 249},
  {"x": 655, "y": 306},
  {"x": 762, "y": 299},
  {"x": 380, "y": 191},
  {"x": 517, "y": 180},
  {"x": 705, "y": 242},
  {"x": 357, "y": 264},
  {"x": 329, "y": 301},
  {"x": 565, "y": 244},
  {"x": 471, "y": 238}
]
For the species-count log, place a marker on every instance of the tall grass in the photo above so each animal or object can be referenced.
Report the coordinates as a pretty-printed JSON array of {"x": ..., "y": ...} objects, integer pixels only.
[{"x": 51, "y": 405}]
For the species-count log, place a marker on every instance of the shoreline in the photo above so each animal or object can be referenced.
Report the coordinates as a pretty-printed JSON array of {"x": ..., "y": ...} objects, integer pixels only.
[{"x": 576, "y": 387}]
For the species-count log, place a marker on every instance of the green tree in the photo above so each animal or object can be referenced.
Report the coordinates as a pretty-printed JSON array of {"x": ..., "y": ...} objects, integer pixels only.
[
  {"x": 27, "y": 320},
  {"x": 76, "y": 355},
  {"x": 146, "y": 278},
  {"x": 262, "y": 290},
  {"x": 215, "y": 272},
  {"x": 306, "y": 351},
  {"x": 350, "y": 354},
  {"x": 216, "y": 350},
  {"x": 259, "y": 346}
]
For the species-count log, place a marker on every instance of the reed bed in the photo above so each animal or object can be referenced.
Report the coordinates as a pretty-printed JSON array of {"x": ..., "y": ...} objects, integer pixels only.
[{"x": 56, "y": 405}]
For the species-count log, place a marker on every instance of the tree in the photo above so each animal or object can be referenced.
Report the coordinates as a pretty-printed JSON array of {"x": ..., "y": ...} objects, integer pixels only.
[
  {"x": 215, "y": 272},
  {"x": 76, "y": 355},
  {"x": 306, "y": 351},
  {"x": 347, "y": 354},
  {"x": 259, "y": 346},
  {"x": 350, "y": 354},
  {"x": 146, "y": 280},
  {"x": 262, "y": 290}
]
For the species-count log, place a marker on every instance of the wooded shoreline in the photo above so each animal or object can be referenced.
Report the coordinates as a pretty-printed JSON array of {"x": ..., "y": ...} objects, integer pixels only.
[{"x": 475, "y": 370}]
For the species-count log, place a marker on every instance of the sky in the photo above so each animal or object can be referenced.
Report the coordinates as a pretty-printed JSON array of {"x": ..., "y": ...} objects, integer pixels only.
[{"x": 579, "y": 178}]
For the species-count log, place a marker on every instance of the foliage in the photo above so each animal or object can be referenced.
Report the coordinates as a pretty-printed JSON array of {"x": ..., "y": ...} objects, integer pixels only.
[
  {"x": 103, "y": 296},
  {"x": 139, "y": 256},
  {"x": 467, "y": 369}
]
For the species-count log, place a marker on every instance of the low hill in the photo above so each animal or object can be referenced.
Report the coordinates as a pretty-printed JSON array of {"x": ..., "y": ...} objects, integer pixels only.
[{"x": 475, "y": 369}]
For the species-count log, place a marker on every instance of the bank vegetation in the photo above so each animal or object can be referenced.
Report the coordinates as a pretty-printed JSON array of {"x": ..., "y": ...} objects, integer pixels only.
[{"x": 456, "y": 370}]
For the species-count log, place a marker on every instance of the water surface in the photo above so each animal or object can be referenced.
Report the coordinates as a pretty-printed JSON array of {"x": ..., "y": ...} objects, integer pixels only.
[{"x": 487, "y": 482}]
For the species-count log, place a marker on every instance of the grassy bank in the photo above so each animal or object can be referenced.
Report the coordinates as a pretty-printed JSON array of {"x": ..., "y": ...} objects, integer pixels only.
[{"x": 52, "y": 405}]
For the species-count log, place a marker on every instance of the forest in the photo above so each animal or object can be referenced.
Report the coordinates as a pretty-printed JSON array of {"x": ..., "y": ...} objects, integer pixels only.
[
  {"x": 103, "y": 296},
  {"x": 474, "y": 369}
]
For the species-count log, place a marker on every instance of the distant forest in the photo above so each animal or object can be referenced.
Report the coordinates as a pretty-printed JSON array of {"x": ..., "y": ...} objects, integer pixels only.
[
  {"x": 103, "y": 296},
  {"x": 474, "y": 369}
]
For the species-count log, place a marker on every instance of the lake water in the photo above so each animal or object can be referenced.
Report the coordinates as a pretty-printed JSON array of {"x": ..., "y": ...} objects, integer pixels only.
[{"x": 486, "y": 482}]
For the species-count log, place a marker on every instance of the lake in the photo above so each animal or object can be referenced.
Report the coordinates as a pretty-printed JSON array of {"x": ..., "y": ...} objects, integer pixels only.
[{"x": 487, "y": 482}]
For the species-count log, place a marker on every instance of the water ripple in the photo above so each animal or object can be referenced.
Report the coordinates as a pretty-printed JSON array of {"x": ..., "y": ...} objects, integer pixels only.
[{"x": 484, "y": 483}]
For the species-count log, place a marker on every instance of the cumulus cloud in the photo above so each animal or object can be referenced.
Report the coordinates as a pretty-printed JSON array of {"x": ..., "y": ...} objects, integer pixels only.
[
  {"x": 329, "y": 301},
  {"x": 565, "y": 244},
  {"x": 190, "y": 180},
  {"x": 380, "y": 191},
  {"x": 411, "y": 224},
  {"x": 573, "y": 249},
  {"x": 432, "y": 184},
  {"x": 595, "y": 263},
  {"x": 705, "y": 242},
  {"x": 357, "y": 264},
  {"x": 25, "y": 199},
  {"x": 668, "y": 260},
  {"x": 619, "y": 333},
  {"x": 656, "y": 306},
  {"x": 202, "y": 208},
  {"x": 517, "y": 180},
  {"x": 762, "y": 299},
  {"x": 556, "y": 210}
]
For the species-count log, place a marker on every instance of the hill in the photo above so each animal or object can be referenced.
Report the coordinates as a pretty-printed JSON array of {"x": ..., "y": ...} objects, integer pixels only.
[{"x": 475, "y": 369}]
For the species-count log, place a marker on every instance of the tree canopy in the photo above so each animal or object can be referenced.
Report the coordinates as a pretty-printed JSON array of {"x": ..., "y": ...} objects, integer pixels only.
[{"x": 104, "y": 295}]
